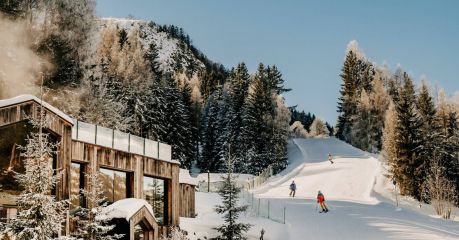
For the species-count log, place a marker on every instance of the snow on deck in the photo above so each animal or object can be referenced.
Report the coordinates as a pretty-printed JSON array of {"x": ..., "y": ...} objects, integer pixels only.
[
  {"x": 28, "y": 97},
  {"x": 186, "y": 178}
]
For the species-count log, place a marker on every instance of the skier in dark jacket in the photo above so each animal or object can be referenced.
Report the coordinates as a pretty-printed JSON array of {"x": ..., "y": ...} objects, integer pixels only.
[
  {"x": 292, "y": 189},
  {"x": 330, "y": 158},
  {"x": 321, "y": 202}
]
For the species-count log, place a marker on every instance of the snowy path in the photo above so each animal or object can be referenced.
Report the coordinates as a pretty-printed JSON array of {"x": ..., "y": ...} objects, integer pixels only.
[{"x": 359, "y": 196}]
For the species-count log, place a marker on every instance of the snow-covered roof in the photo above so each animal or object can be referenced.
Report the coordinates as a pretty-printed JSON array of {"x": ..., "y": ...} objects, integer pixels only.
[
  {"x": 186, "y": 178},
  {"x": 126, "y": 208},
  {"x": 27, "y": 97}
]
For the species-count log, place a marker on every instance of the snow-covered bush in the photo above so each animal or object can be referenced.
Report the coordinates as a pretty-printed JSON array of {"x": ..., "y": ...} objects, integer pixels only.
[
  {"x": 297, "y": 130},
  {"x": 176, "y": 234},
  {"x": 319, "y": 129}
]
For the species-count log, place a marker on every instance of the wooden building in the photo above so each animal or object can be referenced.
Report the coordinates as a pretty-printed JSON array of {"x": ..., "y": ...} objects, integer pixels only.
[{"x": 130, "y": 166}]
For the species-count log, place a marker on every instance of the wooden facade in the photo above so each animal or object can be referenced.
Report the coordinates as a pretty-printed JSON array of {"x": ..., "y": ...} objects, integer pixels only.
[
  {"x": 138, "y": 166},
  {"x": 60, "y": 127},
  {"x": 187, "y": 200},
  {"x": 93, "y": 157}
]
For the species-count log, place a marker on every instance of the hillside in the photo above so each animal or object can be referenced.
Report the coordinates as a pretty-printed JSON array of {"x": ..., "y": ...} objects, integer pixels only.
[{"x": 361, "y": 200}]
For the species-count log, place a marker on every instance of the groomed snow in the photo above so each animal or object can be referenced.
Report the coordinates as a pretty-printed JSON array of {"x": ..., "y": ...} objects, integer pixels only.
[
  {"x": 28, "y": 97},
  {"x": 126, "y": 208},
  {"x": 360, "y": 197}
]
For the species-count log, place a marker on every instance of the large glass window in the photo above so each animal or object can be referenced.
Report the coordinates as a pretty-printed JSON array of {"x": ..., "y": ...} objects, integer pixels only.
[
  {"x": 115, "y": 184},
  {"x": 76, "y": 184},
  {"x": 155, "y": 193}
]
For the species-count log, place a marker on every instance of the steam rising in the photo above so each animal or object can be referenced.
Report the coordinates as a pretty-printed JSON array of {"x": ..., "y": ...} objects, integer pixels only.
[{"x": 20, "y": 66}]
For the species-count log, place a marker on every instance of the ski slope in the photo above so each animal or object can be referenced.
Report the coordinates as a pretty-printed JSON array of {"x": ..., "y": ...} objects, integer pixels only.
[{"x": 358, "y": 194}]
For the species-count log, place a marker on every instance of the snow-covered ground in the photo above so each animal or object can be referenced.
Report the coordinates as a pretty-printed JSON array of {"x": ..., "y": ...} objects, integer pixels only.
[{"x": 361, "y": 199}]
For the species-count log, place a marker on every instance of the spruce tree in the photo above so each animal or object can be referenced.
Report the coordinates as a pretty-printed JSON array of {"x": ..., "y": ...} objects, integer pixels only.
[
  {"x": 428, "y": 133},
  {"x": 238, "y": 84},
  {"x": 230, "y": 207},
  {"x": 408, "y": 137},
  {"x": 347, "y": 105},
  {"x": 257, "y": 124}
]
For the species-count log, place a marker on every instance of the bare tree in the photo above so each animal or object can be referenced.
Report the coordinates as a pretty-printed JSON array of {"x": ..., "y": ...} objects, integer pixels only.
[{"x": 442, "y": 191}]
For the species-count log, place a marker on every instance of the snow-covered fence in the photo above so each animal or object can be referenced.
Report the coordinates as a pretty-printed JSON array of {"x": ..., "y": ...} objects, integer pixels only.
[
  {"x": 90, "y": 133},
  {"x": 265, "y": 208}
]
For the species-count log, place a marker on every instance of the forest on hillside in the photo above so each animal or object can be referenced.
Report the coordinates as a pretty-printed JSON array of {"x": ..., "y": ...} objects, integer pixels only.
[{"x": 415, "y": 128}]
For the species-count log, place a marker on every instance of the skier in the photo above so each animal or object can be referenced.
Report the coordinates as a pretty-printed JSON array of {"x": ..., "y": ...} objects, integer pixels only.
[
  {"x": 321, "y": 202},
  {"x": 292, "y": 189},
  {"x": 330, "y": 158},
  {"x": 262, "y": 233}
]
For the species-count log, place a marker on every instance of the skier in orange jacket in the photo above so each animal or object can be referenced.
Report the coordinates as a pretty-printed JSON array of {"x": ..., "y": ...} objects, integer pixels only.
[{"x": 321, "y": 202}]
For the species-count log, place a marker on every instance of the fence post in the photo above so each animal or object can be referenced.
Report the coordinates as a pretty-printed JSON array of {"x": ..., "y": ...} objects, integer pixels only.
[
  {"x": 284, "y": 213},
  {"x": 258, "y": 214},
  {"x": 77, "y": 129},
  {"x": 95, "y": 136},
  {"x": 269, "y": 203}
]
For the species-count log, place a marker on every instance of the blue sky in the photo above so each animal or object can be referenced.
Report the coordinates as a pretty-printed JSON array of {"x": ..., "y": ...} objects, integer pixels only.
[{"x": 307, "y": 39}]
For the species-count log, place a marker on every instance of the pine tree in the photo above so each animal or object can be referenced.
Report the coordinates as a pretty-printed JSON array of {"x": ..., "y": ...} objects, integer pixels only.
[
  {"x": 407, "y": 141},
  {"x": 274, "y": 77},
  {"x": 177, "y": 123},
  {"x": 428, "y": 133},
  {"x": 257, "y": 124},
  {"x": 215, "y": 132},
  {"x": 238, "y": 84},
  {"x": 347, "y": 105},
  {"x": 40, "y": 215},
  {"x": 229, "y": 192}
]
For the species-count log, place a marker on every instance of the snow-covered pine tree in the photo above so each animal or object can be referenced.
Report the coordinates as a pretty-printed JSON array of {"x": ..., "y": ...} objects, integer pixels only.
[
  {"x": 428, "y": 132},
  {"x": 177, "y": 123},
  {"x": 238, "y": 84},
  {"x": 280, "y": 134},
  {"x": 258, "y": 114},
  {"x": 408, "y": 138},
  {"x": 40, "y": 215},
  {"x": 93, "y": 225},
  {"x": 193, "y": 114},
  {"x": 209, "y": 160},
  {"x": 230, "y": 207}
]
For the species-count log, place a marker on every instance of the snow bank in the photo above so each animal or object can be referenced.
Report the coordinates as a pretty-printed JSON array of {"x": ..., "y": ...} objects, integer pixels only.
[
  {"x": 27, "y": 97},
  {"x": 186, "y": 178},
  {"x": 126, "y": 208}
]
